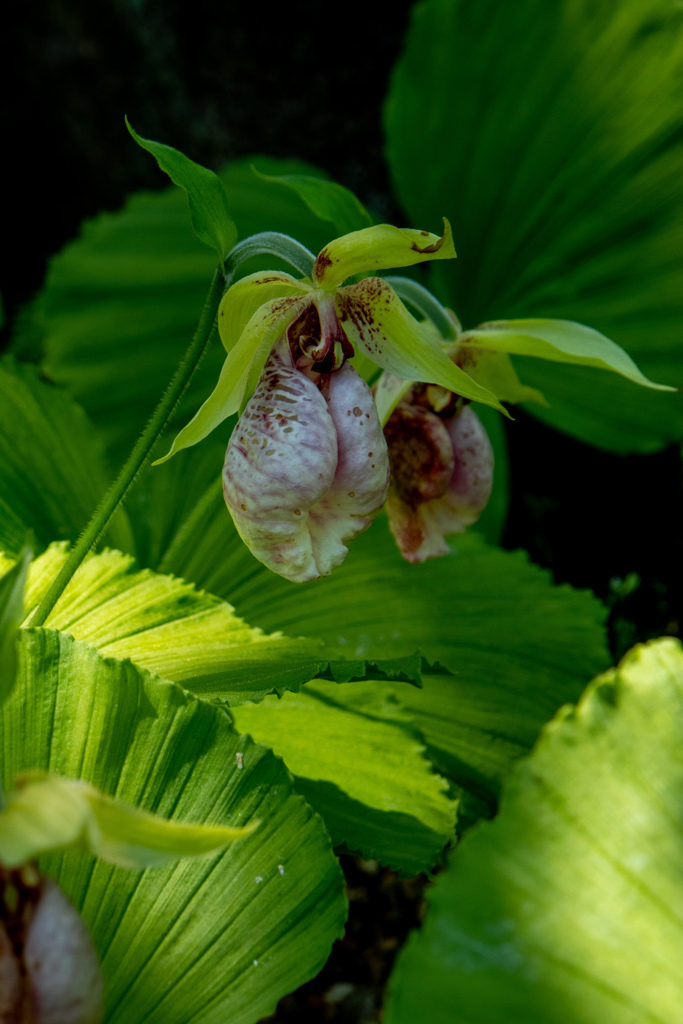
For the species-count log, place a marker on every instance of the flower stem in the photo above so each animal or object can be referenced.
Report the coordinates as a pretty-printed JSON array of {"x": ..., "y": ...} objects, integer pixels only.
[{"x": 136, "y": 460}]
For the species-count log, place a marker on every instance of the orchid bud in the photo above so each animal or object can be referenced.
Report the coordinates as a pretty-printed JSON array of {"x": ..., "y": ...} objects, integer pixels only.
[
  {"x": 48, "y": 968},
  {"x": 441, "y": 472},
  {"x": 306, "y": 468}
]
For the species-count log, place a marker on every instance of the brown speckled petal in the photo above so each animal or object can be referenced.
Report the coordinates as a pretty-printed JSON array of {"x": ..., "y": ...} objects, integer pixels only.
[
  {"x": 280, "y": 461},
  {"x": 359, "y": 488}
]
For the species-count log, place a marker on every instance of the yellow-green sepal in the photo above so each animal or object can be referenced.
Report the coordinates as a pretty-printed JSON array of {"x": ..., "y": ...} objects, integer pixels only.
[
  {"x": 244, "y": 362},
  {"x": 48, "y": 812},
  {"x": 560, "y": 341},
  {"x": 245, "y": 297},
  {"x": 378, "y": 248},
  {"x": 388, "y": 393},
  {"x": 494, "y": 370},
  {"x": 377, "y": 323}
]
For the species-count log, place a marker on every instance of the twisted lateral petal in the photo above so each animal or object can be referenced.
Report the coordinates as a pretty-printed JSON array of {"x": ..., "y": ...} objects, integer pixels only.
[
  {"x": 361, "y": 480},
  {"x": 244, "y": 361},
  {"x": 280, "y": 461},
  {"x": 246, "y": 296},
  {"x": 376, "y": 321},
  {"x": 378, "y": 248}
]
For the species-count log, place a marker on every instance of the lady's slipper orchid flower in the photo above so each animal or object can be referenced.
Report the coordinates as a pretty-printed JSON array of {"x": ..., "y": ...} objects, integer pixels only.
[
  {"x": 441, "y": 458},
  {"x": 441, "y": 470},
  {"x": 366, "y": 317},
  {"x": 307, "y": 466}
]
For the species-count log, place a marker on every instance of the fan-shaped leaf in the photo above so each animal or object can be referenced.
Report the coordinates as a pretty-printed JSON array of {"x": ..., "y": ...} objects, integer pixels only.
[
  {"x": 519, "y": 648},
  {"x": 165, "y": 625},
  {"x": 205, "y": 940},
  {"x": 554, "y": 135}
]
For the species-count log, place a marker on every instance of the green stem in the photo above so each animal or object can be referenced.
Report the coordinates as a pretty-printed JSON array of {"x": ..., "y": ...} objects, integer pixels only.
[{"x": 150, "y": 435}]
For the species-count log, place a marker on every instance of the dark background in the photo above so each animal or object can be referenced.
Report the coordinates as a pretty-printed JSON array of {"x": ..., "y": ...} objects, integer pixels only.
[{"x": 306, "y": 80}]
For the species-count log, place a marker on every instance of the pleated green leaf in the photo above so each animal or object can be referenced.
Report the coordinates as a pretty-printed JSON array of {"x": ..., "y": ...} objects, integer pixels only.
[
  {"x": 12, "y": 585},
  {"x": 326, "y": 199},
  {"x": 206, "y": 940},
  {"x": 52, "y": 468},
  {"x": 208, "y": 203},
  {"x": 508, "y": 680},
  {"x": 163, "y": 624},
  {"x": 357, "y": 758},
  {"x": 519, "y": 647},
  {"x": 568, "y": 908},
  {"x": 550, "y": 136}
]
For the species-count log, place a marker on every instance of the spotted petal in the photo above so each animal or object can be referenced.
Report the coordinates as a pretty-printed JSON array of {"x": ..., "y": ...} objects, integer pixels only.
[
  {"x": 244, "y": 363},
  {"x": 361, "y": 479},
  {"x": 280, "y": 462},
  {"x": 379, "y": 248},
  {"x": 448, "y": 491},
  {"x": 376, "y": 321}
]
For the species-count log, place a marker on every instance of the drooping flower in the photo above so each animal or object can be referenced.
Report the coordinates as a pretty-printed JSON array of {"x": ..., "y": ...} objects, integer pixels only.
[
  {"x": 440, "y": 455},
  {"x": 307, "y": 466},
  {"x": 299, "y": 489},
  {"x": 366, "y": 318},
  {"x": 441, "y": 458},
  {"x": 441, "y": 470}
]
